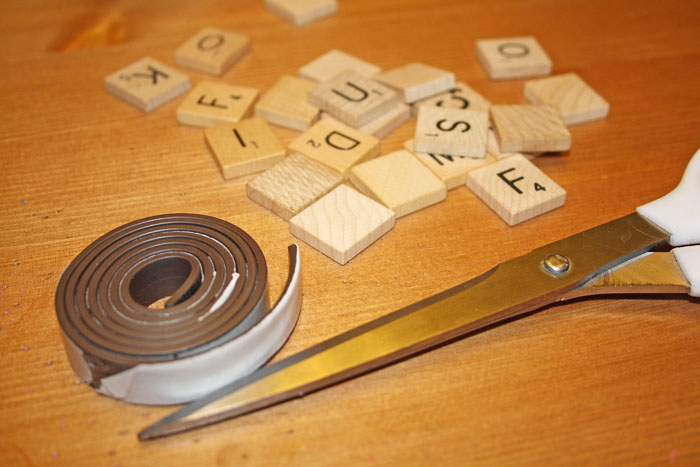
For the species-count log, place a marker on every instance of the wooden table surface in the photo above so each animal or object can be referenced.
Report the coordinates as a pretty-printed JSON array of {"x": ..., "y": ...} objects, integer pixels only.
[{"x": 609, "y": 381}]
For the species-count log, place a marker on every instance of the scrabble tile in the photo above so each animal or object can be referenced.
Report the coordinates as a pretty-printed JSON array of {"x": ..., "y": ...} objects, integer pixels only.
[
  {"x": 461, "y": 96},
  {"x": 334, "y": 62},
  {"x": 570, "y": 95},
  {"x": 300, "y": 12},
  {"x": 513, "y": 57},
  {"x": 492, "y": 149},
  {"x": 516, "y": 189},
  {"x": 352, "y": 98},
  {"x": 342, "y": 223},
  {"x": 291, "y": 185},
  {"x": 529, "y": 128},
  {"x": 335, "y": 145},
  {"x": 147, "y": 84},
  {"x": 244, "y": 147},
  {"x": 212, "y": 50},
  {"x": 210, "y": 104},
  {"x": 417, "y": 81},
  {"x": 398, "y": 181},
  {"x": 452, "y": 170},
  {"x": 452, "y": 131},
  {"x": 388, "y": 122},
  {"x": 287, "y": 104}
]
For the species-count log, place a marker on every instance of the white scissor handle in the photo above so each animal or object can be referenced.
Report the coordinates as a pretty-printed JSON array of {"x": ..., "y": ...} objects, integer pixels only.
[{"x": 679, "y": 214}]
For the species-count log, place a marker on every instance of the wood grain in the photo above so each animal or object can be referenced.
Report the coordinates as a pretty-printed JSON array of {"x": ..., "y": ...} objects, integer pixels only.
[
  {"x": 608, "y": 380},
  {"x": 334, "y": 62},
  {"x": 417, "y": 81},
  {"x": 398, "y": 181},
  {"x": 342, "y": 223},
  {"x": 286, "y": 104},
  {"x": 291, "y": 185},
  {"x": 570, "y": 95},
  {"x": 529, "y": 128}
]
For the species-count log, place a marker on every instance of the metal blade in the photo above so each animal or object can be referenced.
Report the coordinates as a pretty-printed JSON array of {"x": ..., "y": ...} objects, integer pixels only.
[
  {"x": 656, "y": 272},
  {"x": 514, "y": 287}
]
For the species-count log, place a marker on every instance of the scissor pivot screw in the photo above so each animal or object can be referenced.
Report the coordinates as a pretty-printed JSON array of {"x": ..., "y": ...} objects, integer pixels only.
[{"x": 556, "y": 264}]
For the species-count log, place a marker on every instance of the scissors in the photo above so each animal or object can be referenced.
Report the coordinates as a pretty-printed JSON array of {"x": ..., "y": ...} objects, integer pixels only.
[{"x": 615, "y": 257}]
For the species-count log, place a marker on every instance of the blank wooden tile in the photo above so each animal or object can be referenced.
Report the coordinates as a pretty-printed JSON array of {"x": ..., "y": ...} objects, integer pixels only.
[
  {"x": 513, "y": 57},
  {"x": 147, "y": 84},
  {"x": 452, "y": 170},
  {"x": 516, "y": 189},
  {"x": 244, "y": 147},
  {"x": 334, "y": 62},
  {"x": 387, "y": 122},
  {"x": 451, "y": 131},
  {"x": 417, "y": 81},
  {"x": 300, "y": 12},
  {"x": 529, "y": 128},
  {"x": 461, "y": 96},
  {"x": 212, "y": 50},
  {"x": 291, "y": 185},
  {"x": 570, "y": 95},
  {"x": 493, "y": 149},
  {"x": 335, "y": 145},
  {"x": 352, "y": 98},
  {"x": 342, "y": 223},
  {"x": 287, "y": 104},
  {"x": 398, "y": 181},
  {"x": 210, "y": 104}
]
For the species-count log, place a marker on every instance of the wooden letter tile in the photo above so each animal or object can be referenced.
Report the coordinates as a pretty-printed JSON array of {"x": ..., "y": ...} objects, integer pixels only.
[
  {"x": 333, "y": 63},
  {"x": 516, "y": 189},
  {"x": 352, "y": 98},
  {"x": 417, "y": 81},
  {"x": 452, "y": 131},
  {"x": 342, "y": 223},
  {"x": 462, "y": 96},
  {"x": 287, "y": 104},
  {"x": 210, "y": 104},
  {"x": 570, "y": 95},
  {"x": 336, "y": 145},
  {"x": 452, "y": 170},
  {"x": 513, "y": 57},
  {"x": 300, "y": 12},
  {"x": 212, "y": 51},
  {"x": 244, "y": 147},
  {"x": 291, "y": 185},
  {"x": 530, "y": 128},
  {"x": 387, "y": 122},
  {"x": 399, "y": 181},
  {"x": 147, "y": 84}
]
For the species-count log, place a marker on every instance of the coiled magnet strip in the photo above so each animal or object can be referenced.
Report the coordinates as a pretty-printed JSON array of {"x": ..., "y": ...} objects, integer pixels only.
[{"x": 215, "y": 326}]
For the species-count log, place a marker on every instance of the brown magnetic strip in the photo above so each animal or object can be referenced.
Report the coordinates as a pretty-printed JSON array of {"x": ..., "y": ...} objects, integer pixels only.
[{"x": 102, "y": 297}]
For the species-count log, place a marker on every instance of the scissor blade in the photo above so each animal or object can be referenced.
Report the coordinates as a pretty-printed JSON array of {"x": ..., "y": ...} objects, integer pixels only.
[{"x": 512, "y": 288}]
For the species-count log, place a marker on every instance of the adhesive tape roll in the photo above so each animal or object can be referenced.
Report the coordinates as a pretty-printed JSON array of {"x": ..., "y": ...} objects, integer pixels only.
[{"x": 216, "y": 326}]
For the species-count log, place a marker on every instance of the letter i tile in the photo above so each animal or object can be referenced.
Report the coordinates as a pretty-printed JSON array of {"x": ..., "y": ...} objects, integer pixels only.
[
  {"x": 515, "y": 189},
  {"x": 335, "y": 145}
]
